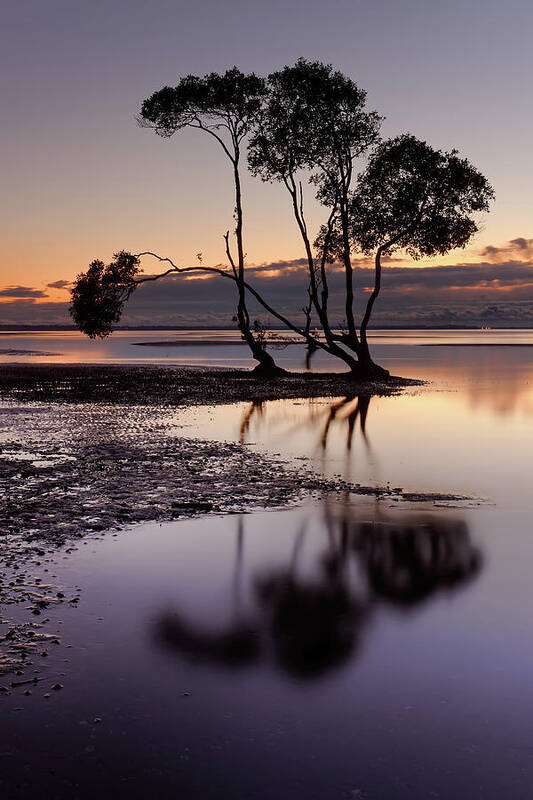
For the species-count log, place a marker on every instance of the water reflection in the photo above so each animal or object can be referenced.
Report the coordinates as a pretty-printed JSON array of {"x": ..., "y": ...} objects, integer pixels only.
[
  {"x": 346, "y": 410},
  {"x": 308, "y": 614},
  {"x": 406, "y": 562},
  {"x": 493, "y": 369},
  {"x": 495, "y": 380},
  {"x": 350, "y": 409},
  {"x": 255, "y": 408}
]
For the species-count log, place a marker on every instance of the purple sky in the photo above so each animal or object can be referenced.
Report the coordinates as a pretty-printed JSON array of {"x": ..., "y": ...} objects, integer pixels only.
[{"x": 81, "y": 180}]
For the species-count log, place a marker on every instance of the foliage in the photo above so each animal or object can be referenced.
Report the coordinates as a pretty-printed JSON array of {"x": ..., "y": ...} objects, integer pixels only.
[
  {"x": 416, "y": 198},
  {"x": 213, "y": 103},
  {"x": 98, "y": 295},
  {"x": 314, "y": 118}
]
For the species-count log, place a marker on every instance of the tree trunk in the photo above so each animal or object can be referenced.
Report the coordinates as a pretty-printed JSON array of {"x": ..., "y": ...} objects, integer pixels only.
[
  {"x": 368, "y": 366},
  {"x": 266, "y": 367},
  {"x": 367, "y": 369}
]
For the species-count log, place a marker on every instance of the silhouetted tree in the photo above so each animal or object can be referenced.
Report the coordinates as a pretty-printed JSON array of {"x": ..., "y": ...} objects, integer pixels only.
[
  {"x": 98, "y": 298},
  {"x": 412, "y": 197},
  {"x": 98, "y": 295},
  {"x": 314, "y": 119},
  {"x": 225, "y": 107},
  {"x": 307, "y": 118}
]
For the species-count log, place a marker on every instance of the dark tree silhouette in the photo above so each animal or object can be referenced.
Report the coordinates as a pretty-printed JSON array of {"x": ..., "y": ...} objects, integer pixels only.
[
  {"x": 314, "y": 119},
  {"x": 97, "y": 308},
  {"x": 225, "y": 107},
  {"x": 307, "y": 119},
  {"x": 412, "y": 197},
  {"x": 98, "y": 295}
]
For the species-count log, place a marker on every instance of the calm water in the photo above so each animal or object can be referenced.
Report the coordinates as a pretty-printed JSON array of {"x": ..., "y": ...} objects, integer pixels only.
[
  {"x": 220, "y": 348},
  {"x": 348, "y": 648}
]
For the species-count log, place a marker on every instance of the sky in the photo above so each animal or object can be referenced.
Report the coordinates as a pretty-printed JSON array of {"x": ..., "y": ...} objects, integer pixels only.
[{"x": 81, "y": 180}]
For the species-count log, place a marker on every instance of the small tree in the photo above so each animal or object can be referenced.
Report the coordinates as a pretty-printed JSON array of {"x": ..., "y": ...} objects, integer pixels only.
[
  {"x": 225, "y": 107},
  {"x": 98, "y": 295},
  {"x": 412, "y": 197}
]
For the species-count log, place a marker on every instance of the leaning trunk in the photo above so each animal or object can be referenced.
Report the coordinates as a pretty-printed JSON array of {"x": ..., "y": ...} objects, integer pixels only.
[{"x": 266, "y": 367}]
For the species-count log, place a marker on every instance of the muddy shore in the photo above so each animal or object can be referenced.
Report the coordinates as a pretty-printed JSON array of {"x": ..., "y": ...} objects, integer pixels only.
[
  {"x": 175, "y": 386},
  {"x": 86, "y": 449}
]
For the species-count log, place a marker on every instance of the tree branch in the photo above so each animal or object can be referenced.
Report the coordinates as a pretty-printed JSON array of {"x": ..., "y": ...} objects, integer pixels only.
[
  {"x": 200, "y": 126},
  {"x": 217, "y": 271},
  {"x": 228, "y": 253},
  {"x": 377, "y": 267}
]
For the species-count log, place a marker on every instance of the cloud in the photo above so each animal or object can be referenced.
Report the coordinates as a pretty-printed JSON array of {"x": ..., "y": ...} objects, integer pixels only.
[
  {"x": 456, "y": 294},
  {"x": 520, "y": 249},
  {"x": 59, "y": 285},
  {"x": 490, "y": 291},
  {"x": 285, "y": 266},
  {"x": 29, "y": 312},
  {"x": 21, "y": 291}
]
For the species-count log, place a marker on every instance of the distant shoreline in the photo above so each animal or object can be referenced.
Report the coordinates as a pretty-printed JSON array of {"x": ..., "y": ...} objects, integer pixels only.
[
  {"x": 14, "y": 329},
  {"x": 226, "y": 342},
  {"x": 193, "y": 342},
  {"x": 474, "y": 344}
]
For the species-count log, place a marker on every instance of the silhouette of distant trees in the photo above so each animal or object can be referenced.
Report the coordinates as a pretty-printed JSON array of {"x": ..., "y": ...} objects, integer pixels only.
[{"x": 306, "y": 123}]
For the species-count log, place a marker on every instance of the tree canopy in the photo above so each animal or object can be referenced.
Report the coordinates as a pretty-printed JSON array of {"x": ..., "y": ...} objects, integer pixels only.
[
  {"x": 216, "y": 103},
  {"x": 307, "y": 121},
  {"x": 418, "y": 199},
  {"x": 313, "y": 118},
  {"x": 98, "y": 295}
]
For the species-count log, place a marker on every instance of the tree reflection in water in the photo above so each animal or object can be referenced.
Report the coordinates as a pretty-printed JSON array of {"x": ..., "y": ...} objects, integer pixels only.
[
  {"x": 347, "y": 409},
  {"x": 307, "y": 621},
  {"x": 352, "y": 407},
  {"x": 255, "y": 408}
]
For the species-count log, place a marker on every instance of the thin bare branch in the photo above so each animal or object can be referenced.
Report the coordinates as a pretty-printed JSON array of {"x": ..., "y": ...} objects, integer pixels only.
[{"x": 228, "y": 253}]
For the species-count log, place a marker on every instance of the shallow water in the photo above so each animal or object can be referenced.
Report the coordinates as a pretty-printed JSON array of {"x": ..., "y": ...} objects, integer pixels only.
[
  {"x": 470, "y": 431},
  {"x": 224, "y": 348},
  {"x": 349, "y": 648},
  {"x": 319, "y": 653}
]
